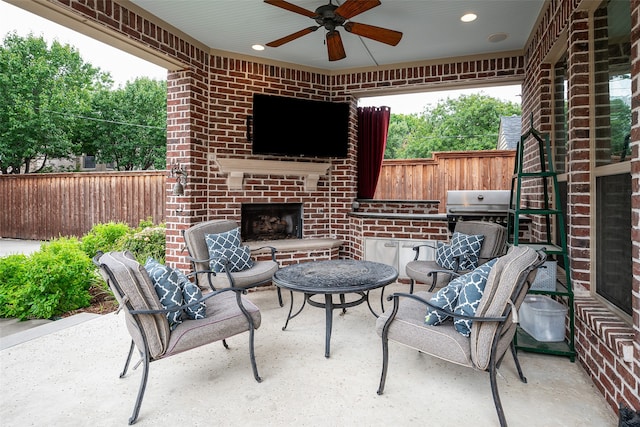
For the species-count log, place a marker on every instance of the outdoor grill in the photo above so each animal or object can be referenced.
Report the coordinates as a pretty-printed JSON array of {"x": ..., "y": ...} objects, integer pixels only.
[{"x": 474, "y": 205}]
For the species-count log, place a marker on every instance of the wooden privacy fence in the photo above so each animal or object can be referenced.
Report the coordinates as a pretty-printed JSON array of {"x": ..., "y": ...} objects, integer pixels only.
[
  {"x": 430, "y": 179},
  {"x": 45, "y": 206}
]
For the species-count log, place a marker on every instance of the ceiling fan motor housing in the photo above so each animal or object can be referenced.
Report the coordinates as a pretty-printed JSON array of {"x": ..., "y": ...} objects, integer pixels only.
[{"x": 326, "y": 17}]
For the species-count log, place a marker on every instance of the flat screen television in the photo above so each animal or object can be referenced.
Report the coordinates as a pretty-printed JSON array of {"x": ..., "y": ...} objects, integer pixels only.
[{"x": 286, "y": 126}]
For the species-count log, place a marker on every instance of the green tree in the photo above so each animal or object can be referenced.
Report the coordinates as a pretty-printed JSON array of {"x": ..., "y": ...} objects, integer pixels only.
[
  {"x": 470, "y": 122},
  {"x": 404, "y": 129},
  {"x": 42, "y": 89},
  {"x": 620, "y": 127},
  {"x": 127, "y": 126}
]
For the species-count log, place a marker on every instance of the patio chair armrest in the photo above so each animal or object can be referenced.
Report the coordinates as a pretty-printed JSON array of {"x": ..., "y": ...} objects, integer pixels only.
[
  {"x": 194, "y": 260},
  {"x": 396, "y": 300},
  {"x": 452, "y": 273},
  {"x": 416, "y": 249}
]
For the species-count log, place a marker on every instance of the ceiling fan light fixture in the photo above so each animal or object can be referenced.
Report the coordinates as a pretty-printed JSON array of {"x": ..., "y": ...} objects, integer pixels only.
[
  {"x": 469, "y": 17},
  {"x": 497, "y": 37},
  {"x": 257, "y": 47}
]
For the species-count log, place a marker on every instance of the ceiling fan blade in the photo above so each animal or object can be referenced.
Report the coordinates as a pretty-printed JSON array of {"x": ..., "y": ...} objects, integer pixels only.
[
  {"x": 380, "y": 34},
  {"x": 335, "y": 46},
  {"x": 291, "y": 37},
  {"x": 351, "y": 8},
  {"x": 291, "y": 7}
]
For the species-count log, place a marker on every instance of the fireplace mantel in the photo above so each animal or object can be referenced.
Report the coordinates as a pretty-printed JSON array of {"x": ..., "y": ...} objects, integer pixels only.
[{"x": 237, "y": 168}]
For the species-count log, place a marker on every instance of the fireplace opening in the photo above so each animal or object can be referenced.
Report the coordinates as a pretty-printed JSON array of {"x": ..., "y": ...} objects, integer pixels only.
[{"x": 271, "y": 221}]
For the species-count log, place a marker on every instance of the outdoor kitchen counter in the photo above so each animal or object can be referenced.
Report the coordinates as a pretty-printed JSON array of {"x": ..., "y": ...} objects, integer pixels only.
[{"x": 389, "y": 215}]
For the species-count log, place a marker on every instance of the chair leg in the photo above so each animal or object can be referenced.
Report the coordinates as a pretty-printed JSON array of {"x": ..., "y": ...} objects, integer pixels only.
[
  {"x": 434, "y": 282},
  {"x": 385, "y": 363},
  {"x": 385, "y": 345},
  {"x": 496, "y": 395},
  {"x": 143, "y": 387},
  {"x": 126, "y": 364},
  {"x": 224, "y": 343},
  {"x": 252, "y": 355},
  {"x": 517, "y": 362},
  {"x": 413, "y": 282}
]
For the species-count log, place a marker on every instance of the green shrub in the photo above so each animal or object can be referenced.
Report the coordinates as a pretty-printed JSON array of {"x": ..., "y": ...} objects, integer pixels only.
[
  {"x": 12, "y": 272},
  {"x": 146, "y": 223},
  {"x": 149, "y": 242},
  {"x": 57, "y": 280},
  {"x": 104, "y": 237}
]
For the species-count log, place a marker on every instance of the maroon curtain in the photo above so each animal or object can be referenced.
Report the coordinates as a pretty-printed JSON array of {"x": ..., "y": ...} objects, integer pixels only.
[{"x": 373, "y": 124}]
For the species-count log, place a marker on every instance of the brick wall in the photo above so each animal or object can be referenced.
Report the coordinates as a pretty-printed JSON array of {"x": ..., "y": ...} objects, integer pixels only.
[{"x": 606, "y": 346}]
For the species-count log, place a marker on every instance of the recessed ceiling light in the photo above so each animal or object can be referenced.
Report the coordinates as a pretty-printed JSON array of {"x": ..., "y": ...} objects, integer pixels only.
[
  {"x": 498, "y": 37},
  {"x": 468, "y": 17},
  {"x": 257, "y": 47}
]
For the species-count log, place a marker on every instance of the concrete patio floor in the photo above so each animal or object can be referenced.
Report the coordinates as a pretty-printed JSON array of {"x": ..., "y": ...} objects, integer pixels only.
[{"x": 70, "y": 377}]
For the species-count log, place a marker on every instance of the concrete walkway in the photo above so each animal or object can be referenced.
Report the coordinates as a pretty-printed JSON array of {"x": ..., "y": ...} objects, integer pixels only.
[
  {"x": 13, "y": 326},
  {"x": 17, "y": 246},
  {"x": 69, "y": 377}
]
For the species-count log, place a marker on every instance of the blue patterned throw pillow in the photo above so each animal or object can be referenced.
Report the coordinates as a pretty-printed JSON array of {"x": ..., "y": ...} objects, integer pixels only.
[
  {"x": 445, "y": 298},
  {"x": 472, "y": 243},
  {"x": 167, "y": 285},
  {"x": 447, "y": 255},
  {"x": 470, "y": 296},
  {"x": 192, "y": 293},
  {"x": 238, "y": 259},
  {"x": 226, "y": 246}
]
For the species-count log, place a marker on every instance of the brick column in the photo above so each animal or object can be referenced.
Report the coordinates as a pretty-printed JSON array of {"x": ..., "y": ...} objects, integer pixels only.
[
  {"x": 578, "y": 163},
  {"x": 635, "y": 180},
  {"x": 187, "y": 142}
]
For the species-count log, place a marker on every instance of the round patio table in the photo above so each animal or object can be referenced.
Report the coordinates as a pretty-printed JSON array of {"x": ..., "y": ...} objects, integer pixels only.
[{"x": 333, "y": 277}]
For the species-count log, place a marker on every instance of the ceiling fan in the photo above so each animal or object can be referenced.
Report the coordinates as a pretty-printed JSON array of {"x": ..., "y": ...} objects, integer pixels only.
[{"x": 330, "y": 17}]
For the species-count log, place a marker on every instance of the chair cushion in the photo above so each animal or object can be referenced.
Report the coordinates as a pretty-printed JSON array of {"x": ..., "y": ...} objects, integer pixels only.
[
  {"x": 261, "y": 272},
  {"x": 223, "y": 320},
  {"x": 505, "y": 275},
  {"x": 470, "y": 296},
  {"x": 445, "y": 298},
  {"x": 408, "y": 328},
  {"x": 226, "y": 245},
  {"x": 495, "y": 237},
  {"x": 168, "y": 287},
  {"x": 419, "y": 270},
  {"x": 470, "y": 245},
  {"x": 137, "y": 287}
]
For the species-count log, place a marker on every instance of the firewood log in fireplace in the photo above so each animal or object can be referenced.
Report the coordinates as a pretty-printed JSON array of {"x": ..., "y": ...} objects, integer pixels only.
[{"x": 267, "y": 225}]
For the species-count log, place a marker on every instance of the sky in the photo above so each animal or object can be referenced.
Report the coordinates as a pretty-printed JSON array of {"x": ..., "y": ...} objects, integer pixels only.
[
  {"x": 415, "y": 102},
  {"x": 124, "y": 67}
]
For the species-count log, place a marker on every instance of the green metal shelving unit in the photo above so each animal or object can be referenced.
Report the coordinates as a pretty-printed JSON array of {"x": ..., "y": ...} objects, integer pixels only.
[{"x": 548, "y": 210}]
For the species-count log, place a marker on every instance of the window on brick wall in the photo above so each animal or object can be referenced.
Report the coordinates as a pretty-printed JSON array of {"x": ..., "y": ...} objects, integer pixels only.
[
  {"x": 612, "y": 204},
  {"x": 560, "y": 117}
]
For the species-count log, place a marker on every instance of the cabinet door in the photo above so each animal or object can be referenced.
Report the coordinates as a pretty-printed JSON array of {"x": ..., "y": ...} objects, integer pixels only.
[{"x": 381, "y": 250}]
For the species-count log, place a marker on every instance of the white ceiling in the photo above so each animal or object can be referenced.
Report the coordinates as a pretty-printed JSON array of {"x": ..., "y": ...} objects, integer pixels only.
[{"x": 431, "y": 29}]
